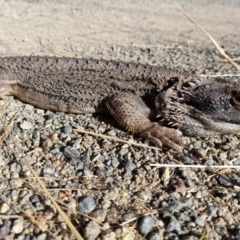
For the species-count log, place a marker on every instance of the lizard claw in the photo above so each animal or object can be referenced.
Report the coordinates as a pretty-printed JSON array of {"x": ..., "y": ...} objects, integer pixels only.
[{"x": 159, "y": 135}]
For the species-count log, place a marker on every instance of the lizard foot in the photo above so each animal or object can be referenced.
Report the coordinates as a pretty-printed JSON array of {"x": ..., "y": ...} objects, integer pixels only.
[{"x": 159, "y": 135}]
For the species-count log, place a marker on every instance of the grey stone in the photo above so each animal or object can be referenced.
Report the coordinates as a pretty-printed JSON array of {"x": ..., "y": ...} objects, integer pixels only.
[
  {"x": 146, "y": 224},
  {"x": 71, "y": 153},
  {"x": 115, "y": 162},
  {"x": 200, "y": 221},
  {"x": 5, "y": 229},
  {"x": 85, "y": 156},
  {"x": 174, "y": 225},
  {"x": 225, "y": 181},
  {"x": 91, "y": 231},
  {"x": 14, "y": 194},
  {"x": 79, "y": 165},
  {"x": 184, "y": 216},
  {"x": 86, "y": 204},
  {"x": 48, "y": 171},
  {"x": 111, "y": 133},
  {"x": 212, "y": 210},
  {"x": 198, "y": 144},
  {"x": 67, "y": 129},
  {"x": 128, "y": 216},
  {"x": 35, "y": 198},
  {"x": 172, "y": 207},
  {"x": 129, "y": 166},
  {"x": 39, "y": 206},
  {"x": 15, "y": 167},
  {"x": 99, "y": 215}
]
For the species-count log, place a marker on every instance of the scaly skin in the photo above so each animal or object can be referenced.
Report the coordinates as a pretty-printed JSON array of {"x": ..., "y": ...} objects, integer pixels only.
[{"x": 134, "y": 94}]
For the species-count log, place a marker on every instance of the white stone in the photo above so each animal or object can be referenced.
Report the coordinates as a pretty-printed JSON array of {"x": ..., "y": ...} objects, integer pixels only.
[
  {"x": 26, "y": 125},
  {"x": 17, "y": 226},
  {"x": 4, "y": 207}
]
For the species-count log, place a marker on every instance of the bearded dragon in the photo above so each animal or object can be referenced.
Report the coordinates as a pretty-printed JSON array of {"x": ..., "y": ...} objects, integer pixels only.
[{"x": 156, "y": 103}]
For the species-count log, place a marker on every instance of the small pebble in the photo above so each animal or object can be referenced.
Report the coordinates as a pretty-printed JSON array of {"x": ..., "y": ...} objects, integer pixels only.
[
  {"x": 26, "y": 125},
  {"x": 172, "y": 207},
  {"x": 200, "y": 221},
  {"x": 4, "y": 207},
  {"x": 128, "y": 216},
  {"x": 5, "y": 229},
  {"x": 129, "y": 166},
  {"x": 174, "y": 225},
  {"x": 17, "y": 226},
  {"x": 71, "y": 153},
  {"x": 111, "y": 133},
  {"x": 39, "y": 206},
  {"x": 115, "y": 162},
  {"x": 86, "y": 204},
  {"x": 99, "y": 215},
  {"x": 225, "y": 181},
  {"x": 67, "y": 129},
  {"x": 91, "y": 231},
  {"x": 146, "y": 224},
  {"x": 212, "y": 210}
]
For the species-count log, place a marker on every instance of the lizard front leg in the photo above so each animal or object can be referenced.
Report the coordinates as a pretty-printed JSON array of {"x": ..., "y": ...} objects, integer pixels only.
[{"x": 132, "y": 113}]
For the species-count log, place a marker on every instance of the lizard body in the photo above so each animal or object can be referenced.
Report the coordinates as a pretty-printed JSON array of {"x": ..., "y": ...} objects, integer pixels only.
[{"x": 134, "y": 94}]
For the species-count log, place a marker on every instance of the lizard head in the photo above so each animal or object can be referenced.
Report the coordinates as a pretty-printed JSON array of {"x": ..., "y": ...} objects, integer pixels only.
[{"x": 204, "y": 107}]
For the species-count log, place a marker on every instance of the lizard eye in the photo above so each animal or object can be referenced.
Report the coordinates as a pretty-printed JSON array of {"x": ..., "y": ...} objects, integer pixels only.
[{"x": 236, "y": 101}]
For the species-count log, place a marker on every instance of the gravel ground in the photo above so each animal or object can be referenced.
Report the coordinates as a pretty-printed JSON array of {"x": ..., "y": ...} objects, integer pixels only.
[{"x": 109, "y": 189}]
